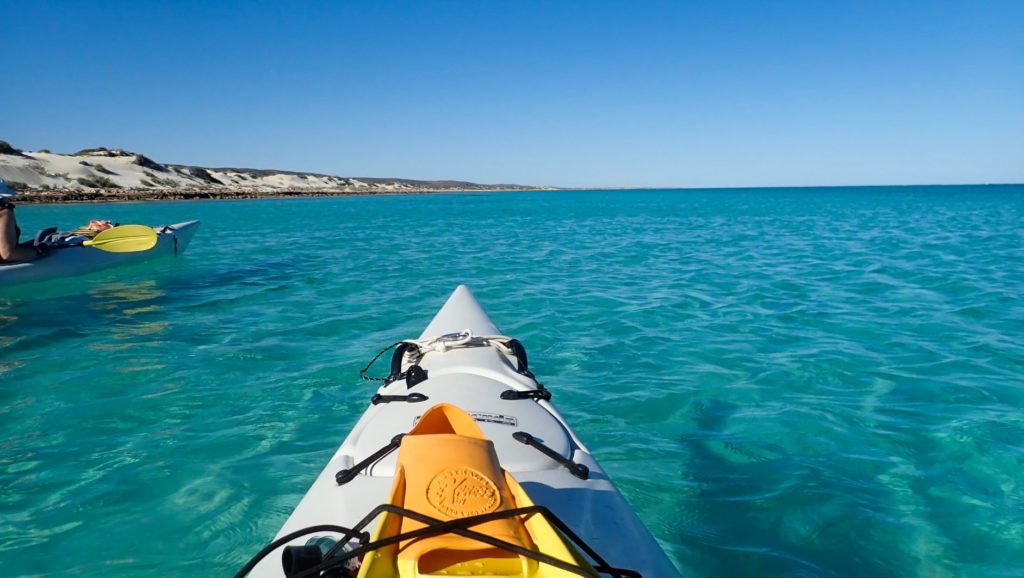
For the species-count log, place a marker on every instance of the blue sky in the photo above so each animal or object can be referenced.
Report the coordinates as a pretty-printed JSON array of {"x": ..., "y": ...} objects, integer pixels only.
[{"x": 588, "y": 93}]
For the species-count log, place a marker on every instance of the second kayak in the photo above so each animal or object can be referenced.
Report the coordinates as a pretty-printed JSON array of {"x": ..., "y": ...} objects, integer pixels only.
[
  {"x": 79, "y": 260},
  {"x": 461, "y": 466}
]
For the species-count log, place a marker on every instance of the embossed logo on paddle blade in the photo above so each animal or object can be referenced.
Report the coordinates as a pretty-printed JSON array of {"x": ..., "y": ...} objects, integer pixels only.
[{"x": 461, "y": 492}]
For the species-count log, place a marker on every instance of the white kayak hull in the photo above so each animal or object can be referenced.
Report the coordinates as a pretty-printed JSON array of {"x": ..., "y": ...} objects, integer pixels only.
[
  {"x": 73, "y": 261},
  {"x": 473, "y": 378}
]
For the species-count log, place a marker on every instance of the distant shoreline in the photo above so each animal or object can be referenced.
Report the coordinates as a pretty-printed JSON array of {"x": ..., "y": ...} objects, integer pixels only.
[
  {"x": 102, "y": 175},
  {"x": 83, "y": 197},
  {"x": 130, "y": 195}
]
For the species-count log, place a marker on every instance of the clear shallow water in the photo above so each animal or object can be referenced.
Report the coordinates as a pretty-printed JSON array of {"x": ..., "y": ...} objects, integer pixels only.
[{"x": 782, "y": 382}]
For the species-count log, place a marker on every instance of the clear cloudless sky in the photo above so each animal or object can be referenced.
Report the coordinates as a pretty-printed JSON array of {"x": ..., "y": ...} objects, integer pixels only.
[{"x": 565, "y": 93}]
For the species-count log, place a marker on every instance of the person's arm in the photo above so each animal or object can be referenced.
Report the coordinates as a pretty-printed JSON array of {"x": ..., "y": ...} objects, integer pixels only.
[{"x": 9, "y": 249}]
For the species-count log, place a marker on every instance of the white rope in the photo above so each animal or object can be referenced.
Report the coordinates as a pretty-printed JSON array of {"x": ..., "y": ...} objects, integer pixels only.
[{"x": 462, "y": 339}]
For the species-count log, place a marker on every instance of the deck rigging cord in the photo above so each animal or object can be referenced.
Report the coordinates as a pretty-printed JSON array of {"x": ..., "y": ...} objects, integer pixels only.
[
  {"x": 414, "y": 350},
  {"x": 336, "y": 557}
]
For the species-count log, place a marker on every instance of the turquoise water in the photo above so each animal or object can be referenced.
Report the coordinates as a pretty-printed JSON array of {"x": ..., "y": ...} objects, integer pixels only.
[{"x": 787, "y": 382}]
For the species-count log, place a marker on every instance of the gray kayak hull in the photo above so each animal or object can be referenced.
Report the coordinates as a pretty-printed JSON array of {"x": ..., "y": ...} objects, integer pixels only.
[
  {"x": 474, "y": 379},
  {"x": 71, "y": 261}
]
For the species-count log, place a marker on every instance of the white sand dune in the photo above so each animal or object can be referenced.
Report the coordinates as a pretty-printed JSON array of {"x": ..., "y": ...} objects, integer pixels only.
[{"x": 102, "y": 168}]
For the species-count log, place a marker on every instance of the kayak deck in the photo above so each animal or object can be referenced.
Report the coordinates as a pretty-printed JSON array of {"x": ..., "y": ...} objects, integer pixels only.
[{"x": 490, "y": 384}]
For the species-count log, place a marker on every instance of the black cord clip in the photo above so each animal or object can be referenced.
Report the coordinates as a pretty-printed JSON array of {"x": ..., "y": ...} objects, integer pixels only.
[
  {"x": 347, "y": 475},
  {"x": 411, "y": 398},
  {"x": 579, "y": 470},
  {"x": 519, "y": 352},
  {"x": 414, "y": 376},
  {"x": 541, "y": 393},
  {"x": 396, "y": 361}
]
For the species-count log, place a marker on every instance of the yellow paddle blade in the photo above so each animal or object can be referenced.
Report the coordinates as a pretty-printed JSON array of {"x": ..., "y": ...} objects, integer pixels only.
[{"x": 124, "y": 239}]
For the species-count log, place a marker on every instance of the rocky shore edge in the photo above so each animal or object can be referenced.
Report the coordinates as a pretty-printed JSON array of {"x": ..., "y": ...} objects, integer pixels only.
[{"x": 39, "y": 197}]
